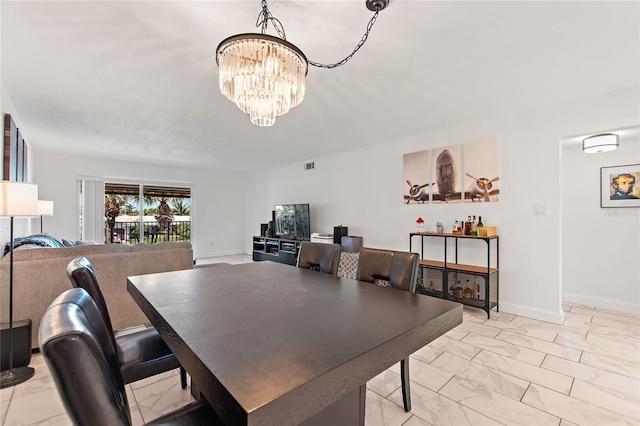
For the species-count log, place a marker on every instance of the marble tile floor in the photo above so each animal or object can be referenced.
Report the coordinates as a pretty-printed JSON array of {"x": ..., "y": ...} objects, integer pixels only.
[{"x": 508, "y": 370}]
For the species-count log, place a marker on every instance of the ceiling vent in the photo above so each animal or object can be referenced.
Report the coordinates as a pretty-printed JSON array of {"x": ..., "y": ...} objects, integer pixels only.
[{"x": 309, "y": 166}]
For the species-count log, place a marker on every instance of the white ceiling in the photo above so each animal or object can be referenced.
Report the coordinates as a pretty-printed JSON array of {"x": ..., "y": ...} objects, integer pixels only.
[{"x": 137, "y": 80}]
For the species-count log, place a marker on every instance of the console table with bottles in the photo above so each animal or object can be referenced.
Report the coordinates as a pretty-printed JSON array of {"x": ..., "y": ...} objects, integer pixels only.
[{"x": 486, "y": 299}]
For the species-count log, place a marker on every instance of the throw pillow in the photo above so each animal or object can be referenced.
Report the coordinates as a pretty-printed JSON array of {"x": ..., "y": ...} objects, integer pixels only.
[
  {"x": 42, "y": 240},
  {"x": 348, "y": 265},
  {"x": 382, "y": 283}
]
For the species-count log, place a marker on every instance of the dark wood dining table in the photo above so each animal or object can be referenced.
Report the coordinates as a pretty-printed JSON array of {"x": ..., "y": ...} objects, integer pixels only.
[{"x": 271, "y": 344}]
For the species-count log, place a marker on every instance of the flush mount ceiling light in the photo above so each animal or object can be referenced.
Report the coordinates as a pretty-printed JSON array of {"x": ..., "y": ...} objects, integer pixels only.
[
  {"x": 600, "y": 143},
  {"x": 263, "y": 74}
]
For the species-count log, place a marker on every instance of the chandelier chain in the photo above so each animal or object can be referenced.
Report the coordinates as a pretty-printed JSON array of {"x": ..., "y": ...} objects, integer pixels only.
[
  {"x": 263, "y": 20},
  {"x": 358, "y": 46},
  {"x": 265, "y": 16}
]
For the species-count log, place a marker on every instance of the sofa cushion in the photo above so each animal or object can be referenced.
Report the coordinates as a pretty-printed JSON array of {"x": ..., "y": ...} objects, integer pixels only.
[
  {"x": 69, "y": 252},
  {"x": 26, "y": 247},
  {"x": 164, "y": 245},
  {"x": 85, "y": 243},
  {"x": 74, "y": 243}
]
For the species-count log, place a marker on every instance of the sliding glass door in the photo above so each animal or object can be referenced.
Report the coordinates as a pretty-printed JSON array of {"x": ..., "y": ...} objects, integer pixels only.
[
  {"x": 129, "y": 212},
  {"x": 167, "y": 213}
]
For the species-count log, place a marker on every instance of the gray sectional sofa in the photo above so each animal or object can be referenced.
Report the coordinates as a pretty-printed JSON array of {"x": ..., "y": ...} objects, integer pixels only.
[{"x": 39, "y": 276}]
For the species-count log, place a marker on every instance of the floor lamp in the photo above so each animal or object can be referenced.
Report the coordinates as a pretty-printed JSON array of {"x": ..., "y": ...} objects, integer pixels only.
[
  {"x": 45, "y": 208},
  {"x": 17, "y": 199}
]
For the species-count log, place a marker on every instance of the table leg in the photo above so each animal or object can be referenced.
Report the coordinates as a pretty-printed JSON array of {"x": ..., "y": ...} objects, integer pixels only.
[
  {"x": 195, "y": 390},
  {"x": 349, "y": 410}
]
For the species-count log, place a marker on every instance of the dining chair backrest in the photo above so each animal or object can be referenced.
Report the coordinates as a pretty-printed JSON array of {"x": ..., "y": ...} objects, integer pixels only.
[
  {"x": 319, "y": 257},
  {"x": 142, "y": 353},
  {"x": 398, "y": 268},
  {"x": 82, "y": 275},
  {"x": 83, "y": 362}
]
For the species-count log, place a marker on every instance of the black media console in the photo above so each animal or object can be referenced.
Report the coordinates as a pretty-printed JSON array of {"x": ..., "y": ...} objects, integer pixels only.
[{"x": 281, "y": 250}]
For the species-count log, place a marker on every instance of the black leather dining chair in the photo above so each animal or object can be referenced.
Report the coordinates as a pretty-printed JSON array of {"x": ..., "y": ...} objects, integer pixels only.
[
  {"x": 141, "y": 353},
  {"x": 395, "y": 269},
  {"x": 319, "y": 257},
  {"x": 77, "y": 347}
]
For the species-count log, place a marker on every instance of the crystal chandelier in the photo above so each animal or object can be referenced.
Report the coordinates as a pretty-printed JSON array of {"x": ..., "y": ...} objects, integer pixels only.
[{"x": 263, "y": 74}]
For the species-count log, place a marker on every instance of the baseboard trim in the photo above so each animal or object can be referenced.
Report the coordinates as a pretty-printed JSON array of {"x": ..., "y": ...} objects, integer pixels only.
[
  {"x": 220, "y": 253},
  {"x": 556, "y": 317},
  {"x": 603, "y": 303}
]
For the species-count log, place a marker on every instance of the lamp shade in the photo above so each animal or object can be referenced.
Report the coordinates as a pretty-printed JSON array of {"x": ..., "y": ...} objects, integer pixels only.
[
  {"x": 45, "y": 208},
  {"x": 18, "y": 199},
  {"x": 600, "y": 143}
]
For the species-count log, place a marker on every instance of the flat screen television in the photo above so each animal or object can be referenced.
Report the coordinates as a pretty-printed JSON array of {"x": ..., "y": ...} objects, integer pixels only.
[{"x": 292, "y": 221}]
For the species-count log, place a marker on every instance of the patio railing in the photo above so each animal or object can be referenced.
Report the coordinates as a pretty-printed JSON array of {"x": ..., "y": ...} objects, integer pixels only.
[{"x": 129, "y": 232}]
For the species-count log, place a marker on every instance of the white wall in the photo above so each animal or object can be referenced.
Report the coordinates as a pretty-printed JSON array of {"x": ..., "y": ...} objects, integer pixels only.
[
  {"x": 601, "y": 247},
  {"x": 217, "y": 230},
  {"x": 363, "y": 189},
  {"x": 217, "y": 197}
]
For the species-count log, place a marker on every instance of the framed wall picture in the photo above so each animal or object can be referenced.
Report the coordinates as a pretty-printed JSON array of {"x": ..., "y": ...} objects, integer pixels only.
[
  {"x": 481, "y": 179},
  {"x": 416, "y": 178},
  {"x": 453, "y": 174},
  {"x": 15, "y": 152},
  {"x": 446, "y": 174},
  {"x": 620, "y": 186}
]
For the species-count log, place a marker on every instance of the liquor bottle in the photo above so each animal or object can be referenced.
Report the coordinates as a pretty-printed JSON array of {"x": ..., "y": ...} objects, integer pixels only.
[
  {"x": 459, "y": 291},
  {"x": 467, "y": 226},
  {"x": 476, "y": 289},
  {"x": 468, "y": 291},
  {"x": 480, "y": 221},
  {"x": 474, "y": 227},
  {"x": 455, "y": 227}
]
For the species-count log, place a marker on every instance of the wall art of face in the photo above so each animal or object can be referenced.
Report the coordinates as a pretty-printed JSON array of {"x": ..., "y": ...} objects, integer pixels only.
[{"x": 445, "y": 173}]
